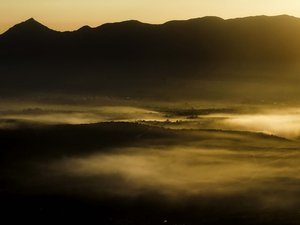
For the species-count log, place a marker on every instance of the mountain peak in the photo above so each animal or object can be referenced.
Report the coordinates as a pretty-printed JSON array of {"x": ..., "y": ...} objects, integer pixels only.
[
  {"x": 32, "y": 24},
  {"x": 28, "y": 27},
  {"x": 31, "y": 20}
]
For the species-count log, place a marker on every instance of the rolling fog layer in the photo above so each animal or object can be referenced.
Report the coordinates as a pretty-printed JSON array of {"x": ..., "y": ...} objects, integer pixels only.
[
  {"x": 222, "y": 141},
  {"x": 124, "y": 160},
  {"x": 157, "y": 156},
  {"x": 277, "y": 120},
  {"x": 185, "y": 171}
]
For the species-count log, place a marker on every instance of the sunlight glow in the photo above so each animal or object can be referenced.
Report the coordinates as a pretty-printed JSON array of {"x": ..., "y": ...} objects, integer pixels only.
[{"x": 70, "y": 14}]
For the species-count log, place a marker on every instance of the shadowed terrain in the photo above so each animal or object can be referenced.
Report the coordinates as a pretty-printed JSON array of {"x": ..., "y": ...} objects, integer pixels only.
[
  {"x": 187, "y": 122},
  {"x": 198, "y": 59},
  {"x": 131, "y": 173}
]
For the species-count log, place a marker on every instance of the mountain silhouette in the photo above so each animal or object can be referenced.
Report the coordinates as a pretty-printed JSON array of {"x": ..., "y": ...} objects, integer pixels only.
[
  {"x": 28, "y": 28},
  {"x": 205, "y": 39},
  {"x": 201, "y": 58}
]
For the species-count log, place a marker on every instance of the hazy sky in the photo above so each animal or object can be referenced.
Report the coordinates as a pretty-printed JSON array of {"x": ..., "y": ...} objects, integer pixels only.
[{"x": 72, "y": 14}]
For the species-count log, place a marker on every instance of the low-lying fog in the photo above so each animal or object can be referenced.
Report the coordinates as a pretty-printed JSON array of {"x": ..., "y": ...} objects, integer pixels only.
[
  {"x": 204, "y": 155},
  {"x": 184, "y": 171},
  {"x": 281, "y": 121}
]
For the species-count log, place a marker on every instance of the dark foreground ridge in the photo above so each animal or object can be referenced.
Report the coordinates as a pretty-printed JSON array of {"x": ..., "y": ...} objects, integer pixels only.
[
  {"x": 30, "y": 192},
  {"x": 39, "y": 142}
]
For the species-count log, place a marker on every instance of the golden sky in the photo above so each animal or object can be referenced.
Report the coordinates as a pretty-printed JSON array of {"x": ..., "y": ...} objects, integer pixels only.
[{"x": 72, "y": 14}]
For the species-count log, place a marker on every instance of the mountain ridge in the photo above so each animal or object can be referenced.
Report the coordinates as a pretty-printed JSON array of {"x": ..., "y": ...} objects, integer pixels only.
[
  {"x": 206, "y": 39},
  {"x": 197, "y": 19},
  {"x": 178, "y": 59},
  {"x": 30, "y": 25}
]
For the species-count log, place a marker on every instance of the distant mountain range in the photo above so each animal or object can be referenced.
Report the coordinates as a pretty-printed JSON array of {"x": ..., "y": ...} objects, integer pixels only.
[
  {"x": 252, "y": 58},
  {"x": 206, "y": 39}
]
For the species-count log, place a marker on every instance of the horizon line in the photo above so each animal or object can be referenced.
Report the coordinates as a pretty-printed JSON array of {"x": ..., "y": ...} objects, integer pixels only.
[{"x": 173, "y": 20}]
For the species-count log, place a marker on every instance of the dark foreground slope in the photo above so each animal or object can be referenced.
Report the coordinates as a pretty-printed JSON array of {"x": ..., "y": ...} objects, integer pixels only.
[{"x": 122, "y": 173}]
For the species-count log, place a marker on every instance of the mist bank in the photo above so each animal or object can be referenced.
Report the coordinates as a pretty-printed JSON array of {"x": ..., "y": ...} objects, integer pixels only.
[{"x": 128, "y": 173}]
